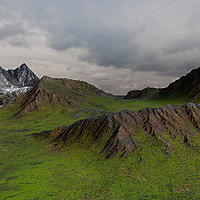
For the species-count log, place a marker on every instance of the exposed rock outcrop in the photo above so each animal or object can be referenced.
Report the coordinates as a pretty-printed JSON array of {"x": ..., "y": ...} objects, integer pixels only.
[
  {"x": 58, "y": 91},
  {"x": 15, "y": 82},
  {"x": 19, "y": 77},
  {"x": 119, "y": 133}
]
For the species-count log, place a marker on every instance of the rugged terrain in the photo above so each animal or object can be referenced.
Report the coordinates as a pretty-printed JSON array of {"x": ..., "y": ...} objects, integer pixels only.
[
  {"x": 15, "y": 82},
  {"x": 20, "y": 77},
  {"x": 118, "y": 133},
  {"x": 152, "y": 148},
  {"x": 58, "y": 92}
]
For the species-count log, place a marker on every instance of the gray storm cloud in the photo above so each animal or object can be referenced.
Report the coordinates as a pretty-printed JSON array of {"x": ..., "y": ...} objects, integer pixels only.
[
  {"x": 9, "y": 30},
  {"x": 144, "y": 36}
]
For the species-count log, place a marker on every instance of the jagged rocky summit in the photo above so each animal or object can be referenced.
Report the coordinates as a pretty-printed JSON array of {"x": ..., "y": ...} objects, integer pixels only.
[
  {"x": 14, "y": 82},
  {"x": 121, "y": 133}
]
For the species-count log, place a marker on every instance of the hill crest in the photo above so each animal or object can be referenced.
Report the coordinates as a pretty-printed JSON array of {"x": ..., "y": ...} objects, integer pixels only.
[
  {"x": 120, "y": 133},
  {"x": 187, "y": 87},
  {"x": 58, "y": 91}
]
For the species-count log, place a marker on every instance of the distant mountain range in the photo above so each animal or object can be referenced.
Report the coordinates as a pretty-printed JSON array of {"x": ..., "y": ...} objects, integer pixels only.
[
  {"x": 186, "y": 87},
  {"x": 14, "y": 82},
  {"x": 22, "y": 79},
  {"x": 117, "y": 133}
]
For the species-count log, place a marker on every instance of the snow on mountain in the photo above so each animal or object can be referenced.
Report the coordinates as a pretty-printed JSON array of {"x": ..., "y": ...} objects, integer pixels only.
[
  {"x": 15, "y": 89},
  {"x": 14, "y": 82}
]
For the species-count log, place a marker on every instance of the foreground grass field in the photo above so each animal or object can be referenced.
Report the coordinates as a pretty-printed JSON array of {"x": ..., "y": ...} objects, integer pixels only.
[{"x": 30, "y": 168}]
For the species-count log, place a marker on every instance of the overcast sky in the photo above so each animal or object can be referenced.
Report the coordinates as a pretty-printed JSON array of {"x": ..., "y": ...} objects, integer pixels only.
[{"x": 115, "y": 45}]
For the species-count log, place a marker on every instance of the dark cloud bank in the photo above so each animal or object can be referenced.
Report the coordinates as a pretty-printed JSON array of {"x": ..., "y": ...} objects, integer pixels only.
[{"x": 160, "y": 37}]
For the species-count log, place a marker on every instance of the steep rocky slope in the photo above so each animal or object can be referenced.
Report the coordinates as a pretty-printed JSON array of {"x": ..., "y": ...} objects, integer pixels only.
[
  {"x": 7, "y": 98},
  {"x": 120, "y": 133},
  {"x": 146, "y": 92},
  {"x": 15, "y": 82},
  {"x": 9, "y": 95},
  {"x": 55, "y": 91},
  {"x": 19, "y": 77}
]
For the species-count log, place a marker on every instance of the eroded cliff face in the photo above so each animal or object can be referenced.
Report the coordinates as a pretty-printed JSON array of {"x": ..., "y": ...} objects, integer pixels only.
[{"x": 120, "y": 133}]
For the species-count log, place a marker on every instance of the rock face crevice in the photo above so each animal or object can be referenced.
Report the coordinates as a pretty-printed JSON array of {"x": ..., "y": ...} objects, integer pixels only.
[{"x": 119, "y": 133}]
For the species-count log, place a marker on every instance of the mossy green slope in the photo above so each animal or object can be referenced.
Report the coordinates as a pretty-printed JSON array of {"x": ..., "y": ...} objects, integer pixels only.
[
  {"x": 146, "y": 92},
  {"x": 186, "y": 87},
  {"x": 34, "y": 169},
  {"x": 58, "y": 92}
]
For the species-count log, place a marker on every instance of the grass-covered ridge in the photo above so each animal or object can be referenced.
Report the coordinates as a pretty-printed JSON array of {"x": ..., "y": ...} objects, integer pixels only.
[
  {"x": 34, "y": 169},
  {"x": 31, "y": 169}
]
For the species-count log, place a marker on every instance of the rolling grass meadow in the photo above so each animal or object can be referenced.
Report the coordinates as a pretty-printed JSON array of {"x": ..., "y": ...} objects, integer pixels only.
[{"x": 32, "y": 168}]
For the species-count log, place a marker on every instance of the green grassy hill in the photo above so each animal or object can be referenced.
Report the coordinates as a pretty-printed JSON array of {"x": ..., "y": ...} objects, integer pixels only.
[
  {"x": 187, "y": 87},
  {"x": 34, "y": 168},
  {"x": 146, "y": 92}
]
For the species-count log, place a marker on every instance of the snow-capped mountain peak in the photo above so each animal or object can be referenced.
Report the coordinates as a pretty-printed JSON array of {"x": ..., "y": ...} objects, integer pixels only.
[{"x": 18, "y": 80}]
